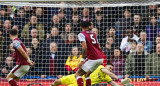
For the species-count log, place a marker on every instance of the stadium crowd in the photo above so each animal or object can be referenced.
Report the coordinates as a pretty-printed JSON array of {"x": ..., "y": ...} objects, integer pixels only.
[{"x": 129, "y": 37}]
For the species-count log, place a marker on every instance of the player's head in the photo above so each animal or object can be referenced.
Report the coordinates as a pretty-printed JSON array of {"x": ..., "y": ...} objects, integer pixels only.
[
  {"x": 85, "y": 25},
  {"x": 13, "y": 32},
  {"x": 110, "y": 66}
]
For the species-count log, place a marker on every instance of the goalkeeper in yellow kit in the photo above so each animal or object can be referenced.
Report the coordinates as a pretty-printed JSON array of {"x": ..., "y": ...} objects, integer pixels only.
[{"x": 101, "y": 74}]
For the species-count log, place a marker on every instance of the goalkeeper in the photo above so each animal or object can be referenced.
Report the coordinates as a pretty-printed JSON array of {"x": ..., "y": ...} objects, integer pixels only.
[{"x": 101, "y": 74}]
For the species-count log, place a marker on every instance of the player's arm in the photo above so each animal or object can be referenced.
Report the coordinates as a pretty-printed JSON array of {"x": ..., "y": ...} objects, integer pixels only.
[
  {"x": 109, "y": 73},
  {"x": 82, "y": 39},
  {"x": 18, "y": 46},
  {"x": 84, "y": 49},
  {"x": 112, "y": 83}
]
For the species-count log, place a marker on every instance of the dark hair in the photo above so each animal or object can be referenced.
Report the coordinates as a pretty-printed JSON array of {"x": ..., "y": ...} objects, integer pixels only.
[
  {"x": 21, "y": 8},
  {"x": 85, "y": 24},
  {"x": 98, "y": 13},
  {"x": 75, "y": 13},
  {"x": 132, "y": 40},
  {"x": 13, "y": 32},
  {"x": 127, "y": 10},
  {"x": 118, "y": 48},
  {"x": 110, "y": 64}
]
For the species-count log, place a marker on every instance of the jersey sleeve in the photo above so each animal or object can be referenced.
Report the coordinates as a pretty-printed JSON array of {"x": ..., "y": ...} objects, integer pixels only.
[
  {"x": 16, "y": 44},
  {"x": 81, "y": 37}
]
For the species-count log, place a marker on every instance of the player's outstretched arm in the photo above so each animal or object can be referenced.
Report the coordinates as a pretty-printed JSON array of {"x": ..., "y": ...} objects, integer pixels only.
[
  {"x": 24, "y": 54},
  {"x": 109, "y": 73},
  {"x": 112, "y": 83}
]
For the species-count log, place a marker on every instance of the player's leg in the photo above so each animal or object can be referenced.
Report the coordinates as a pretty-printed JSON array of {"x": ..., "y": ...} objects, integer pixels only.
[
  {"x": 94, "y": 65},
  {"x": 10, "y": 78},
  {"x": 87, "y": 78},
  {"x": 78, "y": 76},
  {"x": 16, "y": 73}
]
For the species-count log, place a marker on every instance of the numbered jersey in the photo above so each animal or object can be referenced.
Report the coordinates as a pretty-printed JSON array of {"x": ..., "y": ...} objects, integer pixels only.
[
  {"x": 20, "y": 60},
  {"x": 93, "y": 50}
]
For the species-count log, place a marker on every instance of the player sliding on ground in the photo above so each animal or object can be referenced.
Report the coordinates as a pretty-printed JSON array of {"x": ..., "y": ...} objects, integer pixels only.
[
  {"x": 101, "y": 74},
  {"x": 21, "y": 57}
]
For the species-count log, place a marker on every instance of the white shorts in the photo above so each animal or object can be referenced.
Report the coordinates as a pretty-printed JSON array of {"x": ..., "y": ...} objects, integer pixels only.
[
  {"x": 91, "y": 64},
  {"x": 20, "y": 70}
]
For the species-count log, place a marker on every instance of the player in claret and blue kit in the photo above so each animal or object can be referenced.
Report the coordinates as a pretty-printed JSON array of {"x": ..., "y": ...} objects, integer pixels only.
[
  {"x": 91, "y": 49},
  {"x": 22, "y": 59}
]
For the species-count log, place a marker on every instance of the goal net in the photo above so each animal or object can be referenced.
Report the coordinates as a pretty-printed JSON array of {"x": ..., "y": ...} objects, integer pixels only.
[{"x": 127, "y": 31}]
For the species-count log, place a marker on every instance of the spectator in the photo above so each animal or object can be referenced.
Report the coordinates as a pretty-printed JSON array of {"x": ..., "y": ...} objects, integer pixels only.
[
  {"x": 71, "y": 42},
  {"x": 5, "y": 32},
  {"x": 157, "y": 41},
  {"x": 20, "y": 20},
  {"x": 130, "y": 35},
  {"x": 135, "y": 63},
  {"x": 118, "y": 61},
  {"x": 28, "y": 12},
  {"x": 32, "y": 24},
  {"x": 100, "y": 22},
  {"x": 10, "y": 12},
  {"x": 11, "y": 50},
  {"x": 53, "y": 37},
  {"x": 3, "y": 14},
  {"x": 158, "y": 12},
  {"x": 73, "y": 61},
  {"x": 34, "y": 34},
  {"x": 109, "y": 48},
  {"x": 152, "y": 63},
  {"x": 147, "y": 44},
  {"x": 36, "y": 56},
  {"x": 153, "y": 28},
  {"x": 55, "y": 23},
  {"x": 74, "y": 10},
  {"x": 133, "y": 45},
  {"x": 76, "y": 23},
  {"x": 68, "y": 29},
  {"x": 117, "y": 38},
  {"x": 138, "y": 24},
  {"x": 7, "y": 66},
  {"x": 125, "y": 22},
  {"x": 56, "y": 60},
  {"x": 151, "y": 10},
  {"x": 62, "y": 17},
  {"x": 41, "y": 18},
  {"x": 85, "y": 15},
  {"x": 1, "y": 47}
]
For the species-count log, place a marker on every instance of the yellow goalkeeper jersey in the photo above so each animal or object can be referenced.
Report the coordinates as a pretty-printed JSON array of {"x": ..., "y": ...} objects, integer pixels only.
[{"x": 96, "y": 77}]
